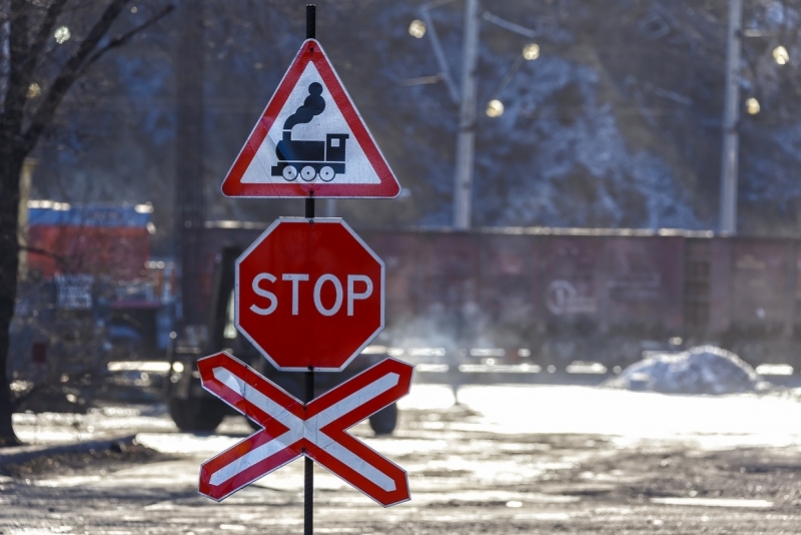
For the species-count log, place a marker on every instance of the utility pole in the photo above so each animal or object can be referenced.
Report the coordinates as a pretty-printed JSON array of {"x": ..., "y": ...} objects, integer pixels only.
[
  {"x": 463, "y": 181},
  {"x": 731, "y": 118},
  {"x": 190, "y": 201}
]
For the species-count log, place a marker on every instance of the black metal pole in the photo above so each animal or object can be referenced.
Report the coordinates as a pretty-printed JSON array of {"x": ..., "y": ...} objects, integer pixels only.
[
  {"x": 311, "y": 21},
  {"x": 308, "y": 468},
  {"x": 311, "y": 33},
  {"x": 310, "y": 207}
]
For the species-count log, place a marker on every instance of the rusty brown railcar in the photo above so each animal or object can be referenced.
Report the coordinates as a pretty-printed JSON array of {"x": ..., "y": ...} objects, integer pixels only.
[{"x": 576, "y": 294}]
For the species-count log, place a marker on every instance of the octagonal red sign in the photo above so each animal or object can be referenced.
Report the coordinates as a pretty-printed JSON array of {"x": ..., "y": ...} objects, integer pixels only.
[{"x": 309, "y": 292}]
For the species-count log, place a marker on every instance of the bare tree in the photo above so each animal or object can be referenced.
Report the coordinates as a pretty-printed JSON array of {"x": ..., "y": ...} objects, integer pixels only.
[{"x": 40, "y": 60}]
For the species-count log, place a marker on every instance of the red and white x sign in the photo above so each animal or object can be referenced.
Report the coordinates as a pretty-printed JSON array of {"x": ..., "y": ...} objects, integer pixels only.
[{"x": 292, "y": 429}]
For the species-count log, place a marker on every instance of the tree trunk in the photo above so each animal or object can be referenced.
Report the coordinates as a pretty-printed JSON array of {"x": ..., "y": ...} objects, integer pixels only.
[
  {"x": 10, "y": 166},
  {"x": 23, "y": 56}
]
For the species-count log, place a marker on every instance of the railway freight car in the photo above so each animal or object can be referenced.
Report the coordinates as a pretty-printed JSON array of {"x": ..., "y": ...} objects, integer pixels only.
[{"x": 553, "y": 296}]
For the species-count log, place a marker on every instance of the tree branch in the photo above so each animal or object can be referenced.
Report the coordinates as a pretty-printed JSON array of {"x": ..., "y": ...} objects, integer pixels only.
[
  {"x": 14, "y": 99},
  {"x": 69, "y": 73},
  {"x": 120, "y": 40},
  {"x": 29, "y": 57},
  {"x": 46, "y": 28},
  {"x": 60, "y": 260}
]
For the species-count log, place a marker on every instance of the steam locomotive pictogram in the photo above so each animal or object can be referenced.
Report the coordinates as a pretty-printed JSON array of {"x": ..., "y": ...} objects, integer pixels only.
[{"x": 309, "y": 159}]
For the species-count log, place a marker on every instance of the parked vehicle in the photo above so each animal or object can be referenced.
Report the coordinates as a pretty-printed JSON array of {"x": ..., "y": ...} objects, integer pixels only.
[
  {"x": 87, "y": 295},
  {"x": 194, "y": 409}
]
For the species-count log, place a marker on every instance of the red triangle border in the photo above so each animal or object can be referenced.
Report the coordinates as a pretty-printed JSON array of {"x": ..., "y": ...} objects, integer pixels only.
[{"x": 311, "y": 51}]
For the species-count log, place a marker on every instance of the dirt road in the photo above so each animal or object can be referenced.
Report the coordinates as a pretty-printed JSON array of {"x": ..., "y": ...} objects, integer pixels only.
[{"x": 507, "y": 460}]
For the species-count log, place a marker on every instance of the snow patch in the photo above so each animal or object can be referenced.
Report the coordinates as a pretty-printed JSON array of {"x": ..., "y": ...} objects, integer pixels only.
[{"x": 701, "y": 370}]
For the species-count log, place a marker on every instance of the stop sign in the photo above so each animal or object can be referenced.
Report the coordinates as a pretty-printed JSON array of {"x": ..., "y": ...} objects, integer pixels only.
[{"x": 309, "y": 292}]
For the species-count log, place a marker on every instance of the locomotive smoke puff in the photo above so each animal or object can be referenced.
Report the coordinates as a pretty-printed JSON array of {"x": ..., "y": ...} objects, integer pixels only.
[{"x": 313, "y": 105}]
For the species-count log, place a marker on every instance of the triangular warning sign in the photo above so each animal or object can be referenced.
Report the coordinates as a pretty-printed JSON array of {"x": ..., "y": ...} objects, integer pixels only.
[{"x": 310, "y": 140}]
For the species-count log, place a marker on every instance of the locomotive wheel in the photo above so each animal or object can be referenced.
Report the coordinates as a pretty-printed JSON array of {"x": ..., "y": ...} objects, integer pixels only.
[
  {"x": 327, "y": 173},
  {"x": 308, "y": 173},
  {"x": 290, "y": 173}
]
